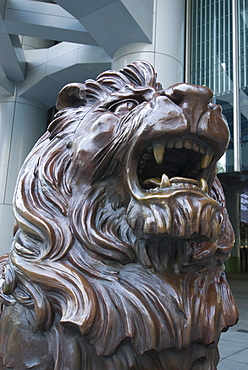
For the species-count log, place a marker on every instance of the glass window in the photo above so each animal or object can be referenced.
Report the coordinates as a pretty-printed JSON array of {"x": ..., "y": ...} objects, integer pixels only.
[{"x": 211, "y": 62}]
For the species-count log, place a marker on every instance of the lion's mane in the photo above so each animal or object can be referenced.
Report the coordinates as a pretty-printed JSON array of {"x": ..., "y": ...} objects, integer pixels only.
[{"x": 76, "y": 261}]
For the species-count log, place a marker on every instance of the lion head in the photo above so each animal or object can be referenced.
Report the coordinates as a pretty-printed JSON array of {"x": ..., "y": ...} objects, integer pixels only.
[{"x": 122, "y": 229}]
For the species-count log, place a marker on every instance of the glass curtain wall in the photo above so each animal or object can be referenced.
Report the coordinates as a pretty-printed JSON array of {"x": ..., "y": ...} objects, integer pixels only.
[
  {"x": 243, "y": 57},
  {"x": 212, "y": 63}
]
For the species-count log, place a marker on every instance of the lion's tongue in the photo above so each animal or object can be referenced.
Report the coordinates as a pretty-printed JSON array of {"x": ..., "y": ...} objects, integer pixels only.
[
  {"x": 151, "y": 183},
  {"x": 165, "y": 182}
]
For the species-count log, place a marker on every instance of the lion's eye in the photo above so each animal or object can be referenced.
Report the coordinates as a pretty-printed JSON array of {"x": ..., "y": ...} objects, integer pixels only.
[{"x": 123, "y": 107}]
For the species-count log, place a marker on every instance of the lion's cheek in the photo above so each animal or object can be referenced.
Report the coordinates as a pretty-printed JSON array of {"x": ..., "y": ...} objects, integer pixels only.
[
  {"x": 85, "y": 153},
  {"x": 102, "y": 130},
  {"x": 94, "y": 132}
]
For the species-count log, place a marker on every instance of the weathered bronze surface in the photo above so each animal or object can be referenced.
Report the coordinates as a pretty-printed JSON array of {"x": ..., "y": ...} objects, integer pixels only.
[{"x": 121, "y": 232}]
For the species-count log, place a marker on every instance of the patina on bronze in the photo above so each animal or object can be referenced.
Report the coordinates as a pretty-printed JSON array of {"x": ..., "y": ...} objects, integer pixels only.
[{"x": 121, "y": 232}]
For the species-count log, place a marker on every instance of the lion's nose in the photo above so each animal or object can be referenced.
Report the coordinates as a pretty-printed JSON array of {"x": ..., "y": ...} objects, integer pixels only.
[
  {"x": 189, "y": 94},
  {"x": 192, "y": 99}
]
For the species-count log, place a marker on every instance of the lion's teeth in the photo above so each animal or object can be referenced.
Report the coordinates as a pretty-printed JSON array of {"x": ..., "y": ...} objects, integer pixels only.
[
  {"x": 203, "y": 185},
  {"x": 179, "y": 144},
  {"x": 170, "y": 144},
  {"x": 205, "y": 160},
  {"x": 196, "y": 147},
  {"x": 158, "y": 151},
  {"x": 142, "y": 164},
  {"x": 202, "y": 150},
  {"x": 165, "y": 181},
  {"x": 188, "y": 144},
  {"x": 146, "y": 156}
]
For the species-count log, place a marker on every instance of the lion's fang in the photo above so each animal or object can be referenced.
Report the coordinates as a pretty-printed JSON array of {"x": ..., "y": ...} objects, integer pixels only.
[
  {"x": 158, "y": 151},
  {"x": 205, "y": 160},
  {"x": 203, "y": 185},
  {"x": 165, "y": 181}
]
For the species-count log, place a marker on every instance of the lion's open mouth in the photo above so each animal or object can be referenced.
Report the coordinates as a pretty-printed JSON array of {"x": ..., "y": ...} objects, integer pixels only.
[
  {"x": 169, "y": 188},
  {"x": 173, "y": 164}
]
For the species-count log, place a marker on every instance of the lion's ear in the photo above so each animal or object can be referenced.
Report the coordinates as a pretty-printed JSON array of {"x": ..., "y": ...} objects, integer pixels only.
[{"x": 71, "y": 95}]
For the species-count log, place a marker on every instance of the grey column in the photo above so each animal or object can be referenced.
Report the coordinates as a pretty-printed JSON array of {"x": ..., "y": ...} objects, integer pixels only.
[
  {"x": 233, "y": 206},
  {"x": 22, "y": 122}
]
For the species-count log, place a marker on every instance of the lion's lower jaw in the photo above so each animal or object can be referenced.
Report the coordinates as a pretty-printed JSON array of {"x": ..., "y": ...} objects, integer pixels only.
[{"x": 188, "y": 218}]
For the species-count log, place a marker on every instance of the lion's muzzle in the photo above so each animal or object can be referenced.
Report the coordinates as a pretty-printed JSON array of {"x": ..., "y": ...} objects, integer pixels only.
[{"x": 175, "y": 153}]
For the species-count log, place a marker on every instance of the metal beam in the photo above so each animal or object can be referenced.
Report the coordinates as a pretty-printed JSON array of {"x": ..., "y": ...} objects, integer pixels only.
[
  {"x": 106, "y": 19},
  {"x": 7, "y": 87},
  {"x": 12, "y": 58},
  {"x": 44, "y": 20}
]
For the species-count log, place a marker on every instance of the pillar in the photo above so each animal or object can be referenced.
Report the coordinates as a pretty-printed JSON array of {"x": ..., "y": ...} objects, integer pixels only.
[
  {"x": 22, "y": 122},
  {"x": 233, "y": 207},
  {"x": 166, "y": 53}
]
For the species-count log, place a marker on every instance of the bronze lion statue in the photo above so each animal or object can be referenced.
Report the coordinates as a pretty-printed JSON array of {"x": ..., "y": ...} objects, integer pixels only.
[{"x": 121, "y": 232}]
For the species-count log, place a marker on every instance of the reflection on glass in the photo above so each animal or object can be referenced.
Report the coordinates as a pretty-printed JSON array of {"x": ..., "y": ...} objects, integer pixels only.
[
  {"x": 244, "y": 82},
  {"x": 211, "y": 62}
]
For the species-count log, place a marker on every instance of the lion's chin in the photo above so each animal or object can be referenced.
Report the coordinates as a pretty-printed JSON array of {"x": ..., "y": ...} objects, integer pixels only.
[{"x": 188, "y": 215}]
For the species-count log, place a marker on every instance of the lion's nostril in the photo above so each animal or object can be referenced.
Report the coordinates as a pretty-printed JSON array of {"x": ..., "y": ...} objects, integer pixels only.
[{"x": 215, "y": 107}]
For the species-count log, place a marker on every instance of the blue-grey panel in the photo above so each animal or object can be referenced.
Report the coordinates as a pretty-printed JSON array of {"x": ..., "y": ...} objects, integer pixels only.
[
  {"x": 113, "y": 24},
  {"x": 81, "y": 8}
]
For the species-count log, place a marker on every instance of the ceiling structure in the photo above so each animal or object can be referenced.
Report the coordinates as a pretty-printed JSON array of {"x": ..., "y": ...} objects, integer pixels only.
[{"x": 82, "y": 37}]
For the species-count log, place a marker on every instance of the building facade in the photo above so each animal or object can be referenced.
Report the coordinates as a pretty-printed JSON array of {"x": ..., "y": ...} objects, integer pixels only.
[
  {"x": 218, "y": 58},
  {"x": 50, "y": 43}
]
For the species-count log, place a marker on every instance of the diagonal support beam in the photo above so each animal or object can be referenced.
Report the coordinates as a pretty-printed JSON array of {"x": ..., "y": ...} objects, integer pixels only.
[
  {"x": 12, "y": 59},
  {"x": 113, "y": 23},
  {"x": 6, "y": 86},
  {"x": 44, "y": 20}
]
